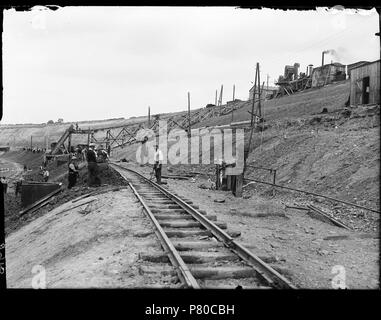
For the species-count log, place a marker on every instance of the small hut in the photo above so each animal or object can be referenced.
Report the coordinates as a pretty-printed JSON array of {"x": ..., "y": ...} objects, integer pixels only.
[{"x": 365, "y": 83}]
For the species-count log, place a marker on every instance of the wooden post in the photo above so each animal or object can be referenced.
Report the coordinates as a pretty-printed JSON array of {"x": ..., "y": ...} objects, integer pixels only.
[
  {"x": 216, "y": 98},
  {"x": 274, "y": 182},
  {"x": 238, "y": 185},
  {"x": 259, "y": 92},
  {"x": 189, "y": 116},
  {"x": 149, "y": 116},
  {"x": 69, "y": 143},
  {"x": 233, "y": 91},
  {"x": 254, "y": 91},
  {"x": 222, "y": 91},
  {"x": 252, "y": 119},
  {"x": 107, "y": 140}
]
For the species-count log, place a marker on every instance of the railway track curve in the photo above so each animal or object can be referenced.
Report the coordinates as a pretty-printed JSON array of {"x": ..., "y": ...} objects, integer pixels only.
[{"x": 195, "y": 244}]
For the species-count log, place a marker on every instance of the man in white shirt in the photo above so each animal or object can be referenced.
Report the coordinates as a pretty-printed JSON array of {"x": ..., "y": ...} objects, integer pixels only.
[
  {"x": 46, "y": 175},
  {"x": 158, "y": 159}
]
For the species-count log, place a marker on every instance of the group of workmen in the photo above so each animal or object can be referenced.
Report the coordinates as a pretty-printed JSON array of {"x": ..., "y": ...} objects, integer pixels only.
[{"x": 92, "y": 156}]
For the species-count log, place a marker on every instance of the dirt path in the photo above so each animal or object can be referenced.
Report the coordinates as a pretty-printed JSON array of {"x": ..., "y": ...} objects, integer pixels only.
[
  {"x": 11, "y": 170},
  {"x": 299, "y": 243},
  {"x": 96, "y": 250},
  {"x": 307, "y": 251}
]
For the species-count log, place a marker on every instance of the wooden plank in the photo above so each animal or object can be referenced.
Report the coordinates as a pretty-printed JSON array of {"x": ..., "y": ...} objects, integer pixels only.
[{"x": 333, "y": 220}]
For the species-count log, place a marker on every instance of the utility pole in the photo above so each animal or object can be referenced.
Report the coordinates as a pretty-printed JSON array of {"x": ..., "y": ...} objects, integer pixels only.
[
  {"x": 246, "y": 154},
  {"x": 222, "y": 91},
  {"x": 259, "y": 92},
  {"x": 149, "y": 117},
  {"x": 189, "y": 116},
  {"x": 254, "y": 92},
  {"x": 69, "y": 144},
  {"x": 233, "y": 91},
  {"x": 88, "y": 138}
]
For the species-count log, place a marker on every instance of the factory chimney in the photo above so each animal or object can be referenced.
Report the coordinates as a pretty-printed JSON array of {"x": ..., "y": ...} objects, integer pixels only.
[
  {"x": 309, "y": 70},
  {"x": 322, "y": 56}
]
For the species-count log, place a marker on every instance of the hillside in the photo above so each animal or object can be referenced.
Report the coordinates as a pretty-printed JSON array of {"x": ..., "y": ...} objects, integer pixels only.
[
  {"x": 334, "y": 153},
  {"x": 311, "y": 101},
  {"x": 20, "y": 135}
]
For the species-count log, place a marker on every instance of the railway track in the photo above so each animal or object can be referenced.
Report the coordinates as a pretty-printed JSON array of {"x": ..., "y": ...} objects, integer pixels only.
[{"x": 196, "y": 248}]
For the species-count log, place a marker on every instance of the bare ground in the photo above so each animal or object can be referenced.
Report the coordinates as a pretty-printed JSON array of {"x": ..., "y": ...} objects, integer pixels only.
[
  {"x": 99, "y": 249},
  {"x": 302, "y": 248}
]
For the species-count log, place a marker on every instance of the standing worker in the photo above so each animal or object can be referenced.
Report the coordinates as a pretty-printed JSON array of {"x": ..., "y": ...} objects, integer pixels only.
[
  {"x": 46, "y": 175},
  {"x": 92, "y": 167},
  {"x": 18, "y": 186},
  {"x": 4, "y": 181},
  {"x": 158, "y": 158},
  {"x": 73, "y": 173}
]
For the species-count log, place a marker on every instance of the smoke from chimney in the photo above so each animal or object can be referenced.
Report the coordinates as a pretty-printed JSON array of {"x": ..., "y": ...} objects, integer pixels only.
[{"x": 333, "y": 53}]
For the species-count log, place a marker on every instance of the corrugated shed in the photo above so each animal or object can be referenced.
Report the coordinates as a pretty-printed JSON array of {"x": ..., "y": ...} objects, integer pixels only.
[{"x": 365, "y": 84}]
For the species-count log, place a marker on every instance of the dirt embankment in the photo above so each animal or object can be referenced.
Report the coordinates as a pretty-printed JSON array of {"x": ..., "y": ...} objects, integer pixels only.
[
  {"x": 12, "y": 204},
  {"x": 334, "y": 154},
  {"x": 95, "y": 245}
]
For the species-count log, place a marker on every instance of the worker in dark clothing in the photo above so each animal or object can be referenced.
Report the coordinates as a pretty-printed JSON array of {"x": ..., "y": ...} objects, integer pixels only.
[
  {"x": 4, "y": 181},
  {"x": 18, "y": 187},
  {"x": 158, "y": 158},
  {"x": 73, "y": 173},
  {"x": 92, "y": 166}
]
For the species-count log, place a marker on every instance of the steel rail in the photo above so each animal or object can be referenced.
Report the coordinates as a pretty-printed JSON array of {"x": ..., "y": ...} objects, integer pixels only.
[
  {"x": 181, "y": 268},
  {"x": 271, "y": 276}
]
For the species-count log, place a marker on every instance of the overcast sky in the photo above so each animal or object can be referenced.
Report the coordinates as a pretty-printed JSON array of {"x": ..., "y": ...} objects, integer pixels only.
[{"x": 87, "y": 63}]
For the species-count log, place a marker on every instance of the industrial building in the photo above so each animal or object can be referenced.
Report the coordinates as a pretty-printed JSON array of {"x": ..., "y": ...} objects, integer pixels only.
[
  {"x": 327, "y": 74},
  {"x": 365, "y": 83},
  {"x": 267, "y": 92}
]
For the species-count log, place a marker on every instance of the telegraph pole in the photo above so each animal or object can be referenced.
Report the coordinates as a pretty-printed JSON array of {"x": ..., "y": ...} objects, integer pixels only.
[
  {"x": 149, "y": 117},
  {"x": 259, "y": 91},
  {"x": 252, "y": 117},
  {"x": 189, "y": 116},
  {"x": 233, "y": 91}
]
